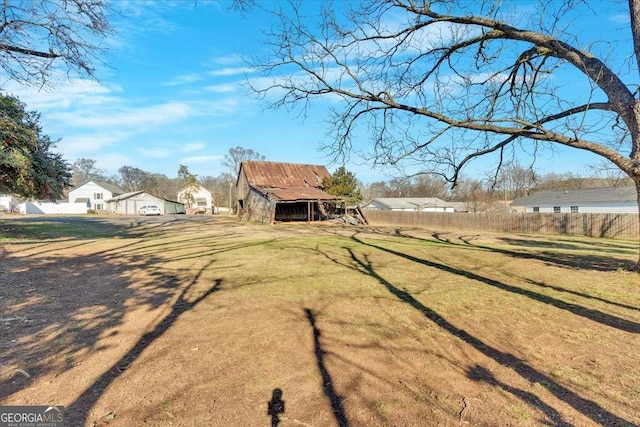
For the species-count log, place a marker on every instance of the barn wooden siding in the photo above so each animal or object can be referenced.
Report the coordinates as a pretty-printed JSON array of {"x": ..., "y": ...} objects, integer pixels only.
[
  {"x": 622, "y": 226},
  {"x": 257, "y": 208}
]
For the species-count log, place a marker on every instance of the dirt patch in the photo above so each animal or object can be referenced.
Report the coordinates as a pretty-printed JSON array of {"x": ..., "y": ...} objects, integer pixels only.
[{"x": 186, "y": 320}]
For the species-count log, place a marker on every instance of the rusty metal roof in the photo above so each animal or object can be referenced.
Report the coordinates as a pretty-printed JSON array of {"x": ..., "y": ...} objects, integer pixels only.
[
  {"x": 293, "y": 194},
  {"x": 283, "y": 175}
]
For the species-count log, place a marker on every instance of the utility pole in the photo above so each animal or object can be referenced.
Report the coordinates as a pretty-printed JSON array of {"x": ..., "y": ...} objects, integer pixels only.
[{"x": 230, "y": 198}]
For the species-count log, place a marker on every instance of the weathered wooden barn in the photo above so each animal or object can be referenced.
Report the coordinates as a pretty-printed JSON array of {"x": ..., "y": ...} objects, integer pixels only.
[{"x": 272, "y": 191}]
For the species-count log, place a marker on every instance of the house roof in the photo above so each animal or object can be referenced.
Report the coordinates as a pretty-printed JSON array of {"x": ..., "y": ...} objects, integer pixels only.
[
  {"x": 200, "y": 187},
  {"x": 459, "y": 206},
  {"x": 625, "y": 194},
  {"x": 292, "y": 194},
  {"x": 283, "y": 175},
  {"x": 114, "y": 189},
  {"x": 409, "y": 202},
  {"x": 136, "y": 193},
  {"x": 126, "y": 196},
  {"x": 81, "y": 200}
]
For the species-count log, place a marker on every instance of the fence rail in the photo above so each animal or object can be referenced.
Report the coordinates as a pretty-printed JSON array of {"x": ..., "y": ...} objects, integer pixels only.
[{"x": 621, "y": 226}]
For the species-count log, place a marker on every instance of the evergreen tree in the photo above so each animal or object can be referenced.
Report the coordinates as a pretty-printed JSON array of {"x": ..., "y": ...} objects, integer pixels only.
[
  {"x": 28, "y": 166},
  {"x": 344, "y": 184}
]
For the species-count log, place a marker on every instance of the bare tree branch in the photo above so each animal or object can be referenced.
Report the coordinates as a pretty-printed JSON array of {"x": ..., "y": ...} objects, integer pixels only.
[
  {"x": 38, "y": 37},
  {"x": 435, "y": 84}
]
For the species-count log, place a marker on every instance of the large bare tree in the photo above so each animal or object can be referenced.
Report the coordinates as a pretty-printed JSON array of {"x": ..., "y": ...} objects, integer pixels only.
[
  {"x": 237, "y": 155},
  {"x": 437, "y": 84},
  {"x": 39, "y": 37}
]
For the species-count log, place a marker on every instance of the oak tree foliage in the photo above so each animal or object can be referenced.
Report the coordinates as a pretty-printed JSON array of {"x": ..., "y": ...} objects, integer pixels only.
[{"x": 29, "y": 166}]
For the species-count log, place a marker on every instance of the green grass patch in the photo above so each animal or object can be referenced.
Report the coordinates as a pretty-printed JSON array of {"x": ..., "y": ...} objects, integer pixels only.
[{"x": 53, "y": 228}]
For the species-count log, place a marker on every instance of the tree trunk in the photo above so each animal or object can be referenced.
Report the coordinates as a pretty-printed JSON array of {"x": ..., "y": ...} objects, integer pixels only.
[{"x": 637, "y": 183}]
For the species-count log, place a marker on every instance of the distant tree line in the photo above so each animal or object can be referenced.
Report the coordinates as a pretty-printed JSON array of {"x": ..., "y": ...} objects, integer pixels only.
[
  {"x": 130, "y": 178},
  {"x": 513, "y": 181}
]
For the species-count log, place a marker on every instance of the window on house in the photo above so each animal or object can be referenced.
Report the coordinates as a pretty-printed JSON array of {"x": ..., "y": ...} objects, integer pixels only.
[
  {"x": 536, "y": 209},
  {"x": 98, "y": 206},
  {"x": 574, "y": 209},
  {"x": 556, "y": 209},
  {"x": 97, "y": 196}
]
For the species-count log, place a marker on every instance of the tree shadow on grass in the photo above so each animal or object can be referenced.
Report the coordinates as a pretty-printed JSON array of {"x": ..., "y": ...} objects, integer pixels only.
[
  {"x": 59, "y": 309},
  {"x": 567, "y": 244},
  {"x": 588, "y": 313},
  {"x": 579, "y": 261},
  {"x": 56, "y": 309},
  {"x": 336, "y": 401},
  {"x": 78, "y": 411},
  {"x": 604, "y": 260},
  {"x": 590, "y": 409},
  {"x": 480, "y": 374},
  {"x": 580, "y": 294}
]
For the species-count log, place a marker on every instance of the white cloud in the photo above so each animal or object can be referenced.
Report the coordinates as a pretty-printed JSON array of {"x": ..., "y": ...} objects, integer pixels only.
[
  {"x": 276, "y": 86},
  {"x": 194, "y": 146},
  {"x": 200, "y": 159},
  {"x": 156, "y": 152},
  {"x": 222, "y": 88},
  {"x": 619, "y": 18},
  {"x": 231, "y": 71},
  {"x": 228, "y": 60},
  {"x": 86, "y": 145},
  {"x": 64, "y": 95},
  {"x": 215, "y": 107},
  {"x": 137, "y": 15},
  {"x": 112, "y": 161},
  {"x": 136, "y": 117},
  {"x": 184, "y": 79}
]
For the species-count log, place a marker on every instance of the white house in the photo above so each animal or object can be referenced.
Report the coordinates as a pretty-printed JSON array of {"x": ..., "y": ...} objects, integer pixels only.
[
  {"x": 130, "y": 204},
  {"x": 94, "y": 194},
  {"x": 591, "y": 200},
  {"x": 8, "y": 202},
  {"x": 196, "y": 199},
  {"x": 409, "y": 204}
]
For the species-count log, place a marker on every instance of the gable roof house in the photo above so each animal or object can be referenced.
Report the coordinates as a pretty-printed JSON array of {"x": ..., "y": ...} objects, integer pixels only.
[
  {"x": 590, "y": 200},
  {"x": 196, "y": 199},
  {"x": 410, "y": 204},
  {"x": 130, "y": 203},
  {"x": 271, "y": 191},
  {"x": 94, "y": 194}
]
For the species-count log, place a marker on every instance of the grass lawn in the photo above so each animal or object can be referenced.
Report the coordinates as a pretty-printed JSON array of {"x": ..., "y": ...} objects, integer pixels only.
[{"x": 194, "y": 321}]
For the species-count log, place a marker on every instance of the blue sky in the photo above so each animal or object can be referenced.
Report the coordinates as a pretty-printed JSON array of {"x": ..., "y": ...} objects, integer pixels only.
[{"x": 173, "y": 94}]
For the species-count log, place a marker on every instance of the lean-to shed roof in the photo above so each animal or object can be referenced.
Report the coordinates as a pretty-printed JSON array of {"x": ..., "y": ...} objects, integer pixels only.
[{"x": 293, "y": 194}]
